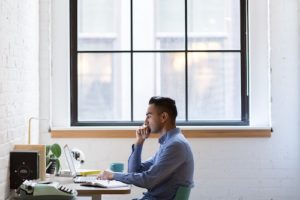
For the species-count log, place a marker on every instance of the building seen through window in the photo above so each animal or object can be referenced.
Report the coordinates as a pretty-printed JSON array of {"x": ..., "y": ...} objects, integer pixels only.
[{"x": 189, "y": 50}]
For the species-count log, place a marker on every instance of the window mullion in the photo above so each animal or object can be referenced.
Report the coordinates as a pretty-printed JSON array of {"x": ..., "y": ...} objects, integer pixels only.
[
  {"x": 131, "y": 58},
  {"x": 186, "y": 59}
]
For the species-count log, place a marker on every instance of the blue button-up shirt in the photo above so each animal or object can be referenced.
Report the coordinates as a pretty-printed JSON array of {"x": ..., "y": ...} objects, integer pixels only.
[{"x": 172, "y": 166}]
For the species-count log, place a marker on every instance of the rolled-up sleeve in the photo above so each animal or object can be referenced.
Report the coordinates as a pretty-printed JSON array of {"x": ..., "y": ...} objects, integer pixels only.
[{"x": 167, "y": 161}]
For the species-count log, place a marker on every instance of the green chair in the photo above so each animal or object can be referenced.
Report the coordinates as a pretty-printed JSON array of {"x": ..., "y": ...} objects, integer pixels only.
[{"x": 182, "y": 193}]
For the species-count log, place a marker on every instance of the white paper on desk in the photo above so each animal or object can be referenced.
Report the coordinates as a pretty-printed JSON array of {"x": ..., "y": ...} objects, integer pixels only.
[{"x": 105, "y": 184}]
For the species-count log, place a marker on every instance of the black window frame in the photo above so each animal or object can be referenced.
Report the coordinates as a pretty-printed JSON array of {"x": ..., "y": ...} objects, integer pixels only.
[{"x": 244, "y": 72}]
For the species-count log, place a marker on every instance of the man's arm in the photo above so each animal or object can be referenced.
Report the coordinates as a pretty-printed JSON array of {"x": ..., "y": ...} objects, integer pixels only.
[
  {"x": 134, "y": 162},
  {"x": 168, "y": 161}
]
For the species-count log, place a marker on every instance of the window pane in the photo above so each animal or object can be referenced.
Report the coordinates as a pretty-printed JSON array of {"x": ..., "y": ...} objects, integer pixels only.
[
  {"x": 103, "y": 87},
  {"x": 157, "y": 64},
  {"x": 214, "y": 24},
  {"x": 103, "y": 25},
  {"x": 156, "y": 20},
  {"x": 158, "y": 74},
  {"x": 214, "y": 86}
]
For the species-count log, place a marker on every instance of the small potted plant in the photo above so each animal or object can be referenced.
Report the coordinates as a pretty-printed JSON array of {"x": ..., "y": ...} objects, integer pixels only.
[{"x": 53, "y": 152}]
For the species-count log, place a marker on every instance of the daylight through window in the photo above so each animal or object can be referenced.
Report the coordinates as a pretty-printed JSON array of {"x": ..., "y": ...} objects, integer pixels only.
[{"x": 125, "y": 51}]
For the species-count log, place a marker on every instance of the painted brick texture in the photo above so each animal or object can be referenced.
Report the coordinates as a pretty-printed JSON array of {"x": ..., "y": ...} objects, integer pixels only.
[{"x": 19, "y": 85}]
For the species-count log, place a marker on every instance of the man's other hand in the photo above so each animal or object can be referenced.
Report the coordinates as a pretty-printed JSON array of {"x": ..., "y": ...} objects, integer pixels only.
[{"x": 106, "y": 175}]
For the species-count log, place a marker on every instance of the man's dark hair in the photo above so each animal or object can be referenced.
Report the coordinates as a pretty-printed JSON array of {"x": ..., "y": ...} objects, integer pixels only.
[{"x": 165, "y": 104}]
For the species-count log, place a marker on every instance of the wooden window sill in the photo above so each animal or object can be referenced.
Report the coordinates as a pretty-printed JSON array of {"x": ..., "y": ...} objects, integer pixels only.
[{"x": 189, "y": 133}]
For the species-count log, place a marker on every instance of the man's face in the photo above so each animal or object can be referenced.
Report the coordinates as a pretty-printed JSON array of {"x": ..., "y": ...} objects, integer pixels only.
[{"x": 153, "y": 119}]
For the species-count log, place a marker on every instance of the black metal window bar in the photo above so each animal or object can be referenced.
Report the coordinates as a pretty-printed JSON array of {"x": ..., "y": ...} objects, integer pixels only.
[{"x": 243, "y": 51}]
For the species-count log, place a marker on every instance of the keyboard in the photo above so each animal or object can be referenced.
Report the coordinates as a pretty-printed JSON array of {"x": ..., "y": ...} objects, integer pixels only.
[{"x": 84, "y": 179}]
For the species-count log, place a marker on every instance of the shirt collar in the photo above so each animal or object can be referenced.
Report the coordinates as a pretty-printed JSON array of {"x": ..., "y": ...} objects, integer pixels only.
[{"x": 168, "y": 135}]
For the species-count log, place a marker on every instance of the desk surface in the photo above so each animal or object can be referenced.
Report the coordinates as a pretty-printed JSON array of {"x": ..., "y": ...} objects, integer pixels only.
[{"x": 90, "y": 191}]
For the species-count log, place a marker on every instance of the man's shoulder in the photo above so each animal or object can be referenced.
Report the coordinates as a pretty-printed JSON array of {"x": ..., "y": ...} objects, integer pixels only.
[
  {"x": 179, "y": 137},
  {"x": 178, "y": 141}
]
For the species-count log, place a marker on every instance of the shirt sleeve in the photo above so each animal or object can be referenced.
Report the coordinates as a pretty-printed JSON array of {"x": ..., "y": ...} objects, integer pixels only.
[
  {"x": 167, "y": 162},
  {"x": 134, "y": 161}
]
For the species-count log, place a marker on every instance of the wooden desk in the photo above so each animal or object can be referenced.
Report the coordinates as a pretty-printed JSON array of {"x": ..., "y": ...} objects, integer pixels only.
[{"x": 94, "y": 192}]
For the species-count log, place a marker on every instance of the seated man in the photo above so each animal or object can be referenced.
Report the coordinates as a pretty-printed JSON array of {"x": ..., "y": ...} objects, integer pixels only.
[{"x": 172, "y": 165}]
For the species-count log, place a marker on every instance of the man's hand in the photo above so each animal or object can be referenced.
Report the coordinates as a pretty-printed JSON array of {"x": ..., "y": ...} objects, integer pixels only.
[
  {"x": 142, "y": 133},
  {"x": 106, "y": 175}
]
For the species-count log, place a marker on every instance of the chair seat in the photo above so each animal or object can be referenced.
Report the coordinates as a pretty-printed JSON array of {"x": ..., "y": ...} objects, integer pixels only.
[{"x": 182, "y": 193}]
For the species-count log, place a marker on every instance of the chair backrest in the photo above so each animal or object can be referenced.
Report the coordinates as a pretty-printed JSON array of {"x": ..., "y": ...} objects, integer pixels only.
[{"x": 182, "y": 193}]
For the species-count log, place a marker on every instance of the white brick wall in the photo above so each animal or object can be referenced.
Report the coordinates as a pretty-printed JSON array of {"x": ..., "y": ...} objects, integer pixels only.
[{"x": 19, "y": 85}]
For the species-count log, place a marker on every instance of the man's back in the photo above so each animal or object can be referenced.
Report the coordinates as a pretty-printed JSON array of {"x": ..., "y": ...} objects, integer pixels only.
[{"x": 176, "y": 148}]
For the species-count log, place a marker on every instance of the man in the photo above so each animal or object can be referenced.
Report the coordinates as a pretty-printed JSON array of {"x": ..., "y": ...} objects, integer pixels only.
[{"x": 172, "y": 165}]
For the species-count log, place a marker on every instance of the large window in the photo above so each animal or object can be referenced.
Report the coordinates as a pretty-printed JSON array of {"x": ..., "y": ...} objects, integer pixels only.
[{"x": 125, "y": 51}]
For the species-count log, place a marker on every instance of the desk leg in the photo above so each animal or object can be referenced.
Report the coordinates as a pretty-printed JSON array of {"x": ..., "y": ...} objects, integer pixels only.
[{"x": 96, "y": 197}]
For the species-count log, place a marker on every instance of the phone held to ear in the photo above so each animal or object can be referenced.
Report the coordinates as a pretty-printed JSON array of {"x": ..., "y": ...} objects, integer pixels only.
[{"x": 46, "y": 190}]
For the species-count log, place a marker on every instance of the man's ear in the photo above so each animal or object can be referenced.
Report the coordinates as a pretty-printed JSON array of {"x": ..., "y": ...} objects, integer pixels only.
[{"x": 164, "y": 116}]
